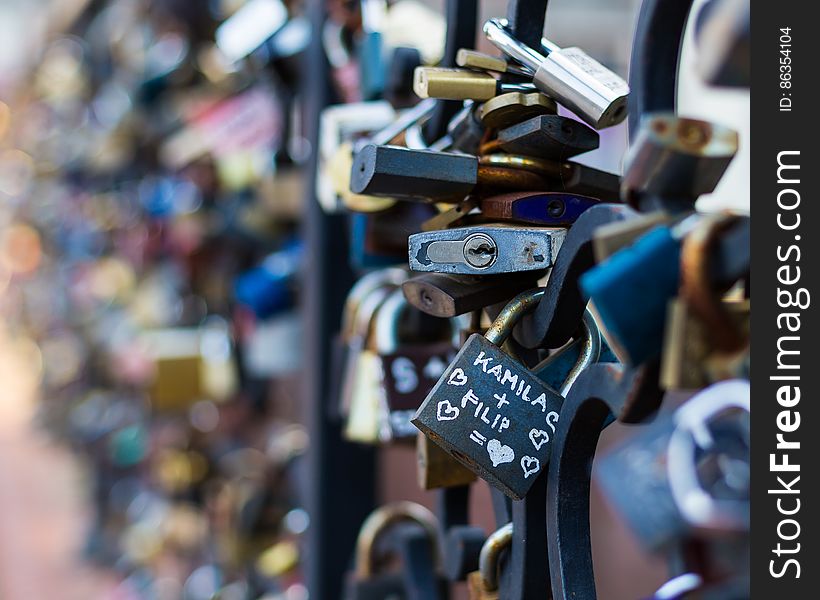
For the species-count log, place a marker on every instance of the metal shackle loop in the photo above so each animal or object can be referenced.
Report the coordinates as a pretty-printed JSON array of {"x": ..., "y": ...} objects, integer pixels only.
[
  {"x": 382, "y": 519},
  {"x": 369, "y": 308},
  {"x": 490, "y": 551},
  {"x": 503, "y": 325},
  {"x": 362, "y": 288},
  {"x": 497, "y": 33},
  {"x": 590, "y": 351},
  {"x": 387, "y": 322}
]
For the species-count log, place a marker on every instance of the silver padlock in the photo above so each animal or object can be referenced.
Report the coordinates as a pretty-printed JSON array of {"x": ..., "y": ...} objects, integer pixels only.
[
  {"x": 485, "y": 249},
  {"x": 569, "y": 75}
]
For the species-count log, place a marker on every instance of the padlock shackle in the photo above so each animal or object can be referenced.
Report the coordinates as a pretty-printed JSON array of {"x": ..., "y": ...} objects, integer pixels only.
[
  {"x": 490, "y": 551},
  {"x": 382, "y": 519},
  {"x": 590, "y": 351},
  {"x": 362, "y": 288},
  {"x": 497, "y": 34},
  {"x": 503, "y": 325}
]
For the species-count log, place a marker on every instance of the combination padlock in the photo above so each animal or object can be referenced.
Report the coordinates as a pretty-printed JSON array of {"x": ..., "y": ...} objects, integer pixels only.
[
  {"x": 491, "y": 412},
  {"x": 569, "y": 75}
]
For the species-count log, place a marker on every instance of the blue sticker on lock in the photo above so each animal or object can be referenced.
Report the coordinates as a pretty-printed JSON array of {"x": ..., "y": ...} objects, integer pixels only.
[{"x": 631, "y": 291}]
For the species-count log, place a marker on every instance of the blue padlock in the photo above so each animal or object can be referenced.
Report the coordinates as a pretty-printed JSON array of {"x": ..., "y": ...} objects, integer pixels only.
[{"x": 631, "y": 291}]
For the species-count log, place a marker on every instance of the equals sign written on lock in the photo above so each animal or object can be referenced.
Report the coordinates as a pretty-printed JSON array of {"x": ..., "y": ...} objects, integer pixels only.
[{"x": 477, "y": 438}]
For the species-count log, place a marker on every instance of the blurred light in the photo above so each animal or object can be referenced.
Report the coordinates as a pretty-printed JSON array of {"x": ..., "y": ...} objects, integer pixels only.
[
  {"x": 278, "y": 560},
  {"x": 111, "y": 104},
  {"x": 61, "y": 75},
  {"x": 167, "y": 588},
  {"x": 292, "y": 38},
  {"x": 63, "y": 357},
  {"x": 166, "y": 54},
  {"x": 111, "y": 279},
  {"x": 297, "y": 521},
  {"x": 297, "y": 591},
  {"x": 20, "y": 248},
  {"x": 250, "y": 27},
  {"x": 16, "y": 172},
  {"x": 204, "y": 416},
  {"x": 203, "y": 584}
]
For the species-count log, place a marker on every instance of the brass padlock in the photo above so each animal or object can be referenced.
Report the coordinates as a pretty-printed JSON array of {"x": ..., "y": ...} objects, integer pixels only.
[
  {"x": 706, "y": 338},
  {"x": 483, "y": 584},
  {"x": 436, "y": 469}
]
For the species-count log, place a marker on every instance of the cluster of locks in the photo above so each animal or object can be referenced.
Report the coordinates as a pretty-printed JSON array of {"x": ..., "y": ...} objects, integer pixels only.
[{"x": 544, "y": 299}]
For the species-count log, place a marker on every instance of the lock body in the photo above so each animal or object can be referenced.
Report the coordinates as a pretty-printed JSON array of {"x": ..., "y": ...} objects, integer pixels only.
[
  {"x": 584, "y": 86},
  {"x": 493, "y": 415}
]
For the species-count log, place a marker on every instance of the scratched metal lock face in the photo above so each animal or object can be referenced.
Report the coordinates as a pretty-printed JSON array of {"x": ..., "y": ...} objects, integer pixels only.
[{"x": 493, "y": 415}]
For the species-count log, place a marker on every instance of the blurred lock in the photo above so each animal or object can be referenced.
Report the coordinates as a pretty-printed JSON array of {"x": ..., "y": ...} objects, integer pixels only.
[
  {"x": 190, "y": 365},
  {"x": 436, "y": 469}
]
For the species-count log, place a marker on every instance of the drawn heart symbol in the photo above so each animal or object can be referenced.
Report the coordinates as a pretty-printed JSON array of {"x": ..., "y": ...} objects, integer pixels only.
[
  {"x": 499, "y": 453},
  {"x": 446, "y": 411},
  {"x": 457, "y": 377},
  {"x": 526, "y": 465},
  {"x": 538, "y": 437}
]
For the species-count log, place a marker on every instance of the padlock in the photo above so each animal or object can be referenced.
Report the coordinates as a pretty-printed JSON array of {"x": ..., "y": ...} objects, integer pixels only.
[
  {"x": 472, "y": 59},
  {"x": 485, "y": 249},
  {"x": 483, "y": 584},
  {"x": 367, "y": 582},
  {"x": 409, "y": 367},
  {"x": 569, "y": 75},
  {"x": 383, "y": 170},
  {"x": 337, "y": 125},
  {"x": 465, "y": 130},
  {"x": 362, "y": 302},
  {"x": 492, "y": 413},
  {"x": 350, "y": 340},
  {"x": 436, "y": 469},
  {"x": 362, "y": 389},
  {"x": 461, "y": 84},
  {"x": 689, "y": 361},
  {"x": 514, "y": 107},
  {"x": 632, "y": 288},
  {"x": 706, "y": 338},
  {"x": 688, "y": 471},
  {"x": 448, "y": 295},
  {"x": 547, "y": 136},
  {"x": 552, "y": 209},
  {"x": 674, "y": 160}
]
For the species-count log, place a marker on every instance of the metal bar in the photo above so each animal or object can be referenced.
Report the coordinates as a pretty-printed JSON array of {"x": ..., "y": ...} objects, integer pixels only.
[{"x": 339, "y": 498}]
